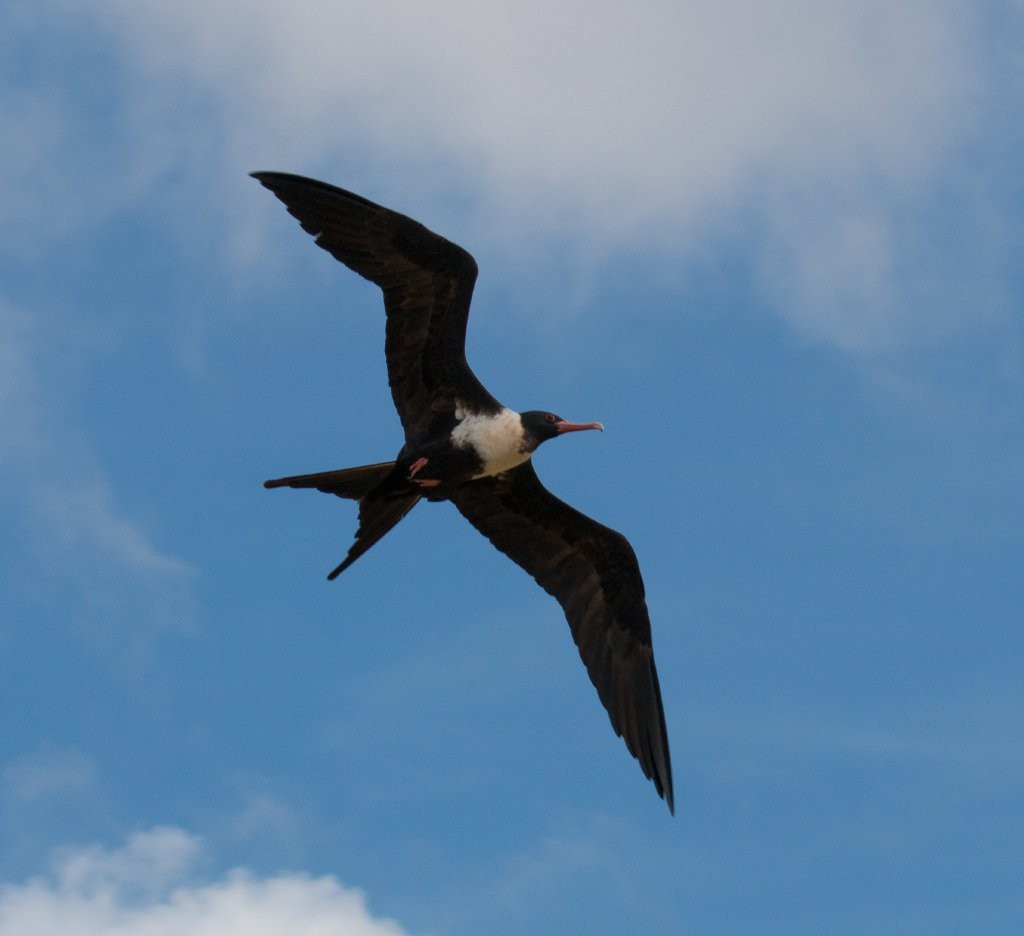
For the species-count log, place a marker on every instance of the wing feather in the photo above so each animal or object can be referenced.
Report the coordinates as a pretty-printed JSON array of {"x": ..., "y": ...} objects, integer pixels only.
[
  {"x": 593, "y": 573},
  {"x": 427, "y": 282}
]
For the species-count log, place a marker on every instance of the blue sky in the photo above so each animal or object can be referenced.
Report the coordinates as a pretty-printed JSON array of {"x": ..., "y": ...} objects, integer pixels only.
[{"x": 775, "y": 251}]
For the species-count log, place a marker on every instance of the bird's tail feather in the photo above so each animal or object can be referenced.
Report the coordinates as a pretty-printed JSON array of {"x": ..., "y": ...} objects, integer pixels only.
[
  {"x": 377, "y": 515},
  {"x": 353, "y": 483},
  {"x": 383, "y": 500}
]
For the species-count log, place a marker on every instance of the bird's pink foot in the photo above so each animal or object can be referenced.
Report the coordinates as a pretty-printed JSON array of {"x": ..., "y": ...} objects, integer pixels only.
[{"x": 415, "y": 468}]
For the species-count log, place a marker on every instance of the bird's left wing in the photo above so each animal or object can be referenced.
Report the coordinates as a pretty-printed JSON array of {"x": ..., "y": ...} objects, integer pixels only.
[{"x": 593, "y": 572}]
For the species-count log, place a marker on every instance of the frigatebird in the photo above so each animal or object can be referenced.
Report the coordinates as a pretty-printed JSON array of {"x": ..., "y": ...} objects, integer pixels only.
[{"x": 463, "y": 446}]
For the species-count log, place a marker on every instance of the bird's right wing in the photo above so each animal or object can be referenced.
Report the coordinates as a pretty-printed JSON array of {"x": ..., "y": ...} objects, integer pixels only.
[{"x": 427, "y": 283}]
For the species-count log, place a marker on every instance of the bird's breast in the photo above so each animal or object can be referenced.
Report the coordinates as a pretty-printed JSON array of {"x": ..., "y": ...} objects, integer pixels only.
[{"x": 496, "y": 438}]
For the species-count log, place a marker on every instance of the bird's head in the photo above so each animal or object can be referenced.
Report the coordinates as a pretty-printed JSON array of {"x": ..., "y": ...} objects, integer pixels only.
[{"x": 539, "y": 426}]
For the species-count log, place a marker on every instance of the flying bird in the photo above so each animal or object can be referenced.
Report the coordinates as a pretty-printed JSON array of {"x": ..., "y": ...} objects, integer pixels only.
[{"x": 463, "y": 446}]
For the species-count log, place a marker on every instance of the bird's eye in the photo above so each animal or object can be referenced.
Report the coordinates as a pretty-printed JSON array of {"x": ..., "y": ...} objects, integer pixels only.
[{"x": 551, "y": 418}]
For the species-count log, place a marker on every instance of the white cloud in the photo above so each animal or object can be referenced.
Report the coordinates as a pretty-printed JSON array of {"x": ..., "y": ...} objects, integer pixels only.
[
  {"x": 144, "y": 889},
  {"x": 826, "y": 131},
  {"x": 605, "y": 125}
]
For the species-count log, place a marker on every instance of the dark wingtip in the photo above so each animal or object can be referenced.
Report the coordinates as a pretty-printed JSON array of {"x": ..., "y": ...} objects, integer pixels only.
[
  {"x": 664, "y": 784},
  {"x": 275, "y": 180},
  {"x": 336, "y": 571},
  {"x": 663, "y": 787}
]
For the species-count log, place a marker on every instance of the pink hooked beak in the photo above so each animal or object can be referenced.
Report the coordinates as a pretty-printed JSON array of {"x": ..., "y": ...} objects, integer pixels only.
[{"x": 565, "y": 426}]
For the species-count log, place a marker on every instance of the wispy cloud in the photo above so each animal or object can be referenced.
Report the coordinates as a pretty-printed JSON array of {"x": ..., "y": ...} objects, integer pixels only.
[
  {"x": 147, "y": 888},
  {"x": 83, "y": 517},
  {"x": 48, "y": 773},
  {"x": 540, "y": 882},
  {"x": 972, "y": 739},
  {"x": 66, "y": 509}
]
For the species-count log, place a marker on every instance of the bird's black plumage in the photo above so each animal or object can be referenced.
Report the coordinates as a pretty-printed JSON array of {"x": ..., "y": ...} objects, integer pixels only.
[
  {"x": 427, "y": 283},
  {"x": 462, "y": 445}
]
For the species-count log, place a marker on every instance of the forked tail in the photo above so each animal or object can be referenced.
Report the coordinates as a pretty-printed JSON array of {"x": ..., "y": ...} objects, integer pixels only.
[{"x": 383, "y": 500}]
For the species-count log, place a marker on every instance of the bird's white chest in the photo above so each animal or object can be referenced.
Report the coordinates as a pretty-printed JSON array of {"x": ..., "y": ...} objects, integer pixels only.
[{"x": 497, "y": 440}]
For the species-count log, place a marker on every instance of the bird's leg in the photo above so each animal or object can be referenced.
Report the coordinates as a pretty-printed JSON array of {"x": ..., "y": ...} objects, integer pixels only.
[{"x": 415, "y": 468}]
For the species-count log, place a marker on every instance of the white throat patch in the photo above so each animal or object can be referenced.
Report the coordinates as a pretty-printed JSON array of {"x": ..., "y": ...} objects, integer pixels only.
[{"x": 497, "y": 440}]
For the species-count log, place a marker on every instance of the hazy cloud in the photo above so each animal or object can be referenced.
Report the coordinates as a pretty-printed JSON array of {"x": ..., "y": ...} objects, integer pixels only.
[{"x": 145, "y": 889}]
